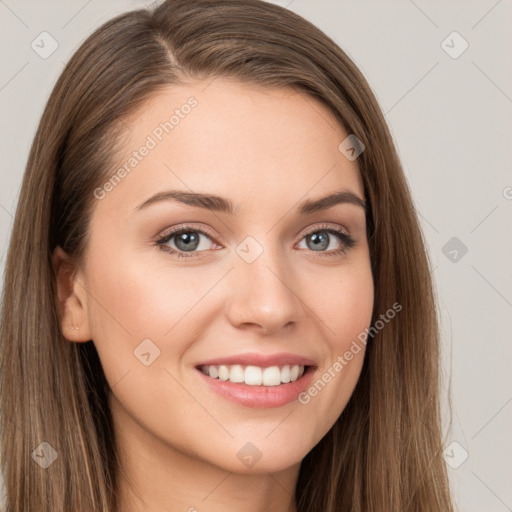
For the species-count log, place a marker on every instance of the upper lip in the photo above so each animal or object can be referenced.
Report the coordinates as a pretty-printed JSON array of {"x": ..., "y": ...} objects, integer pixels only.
[{"x": 263, "y": 360}]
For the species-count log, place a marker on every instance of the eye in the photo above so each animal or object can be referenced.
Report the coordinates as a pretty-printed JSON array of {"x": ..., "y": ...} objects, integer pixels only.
[
  {"x": 188, "y": 240},
  {"x": 320, "y": 239}
]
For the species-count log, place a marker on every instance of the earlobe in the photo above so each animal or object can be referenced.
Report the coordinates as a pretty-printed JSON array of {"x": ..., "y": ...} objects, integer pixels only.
[{"x": 70, "y": 303}]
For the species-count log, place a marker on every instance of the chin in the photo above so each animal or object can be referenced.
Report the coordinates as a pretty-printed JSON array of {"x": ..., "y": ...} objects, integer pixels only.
[{"x": 255, "y": 457}]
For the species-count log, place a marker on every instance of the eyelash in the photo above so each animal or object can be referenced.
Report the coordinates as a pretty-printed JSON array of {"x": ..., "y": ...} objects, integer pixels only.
[{"x": 347, "y": 241}]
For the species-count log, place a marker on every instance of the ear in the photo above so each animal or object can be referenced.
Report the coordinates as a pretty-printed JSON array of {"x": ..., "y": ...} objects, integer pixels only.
[{"x": 71, "y": 300}]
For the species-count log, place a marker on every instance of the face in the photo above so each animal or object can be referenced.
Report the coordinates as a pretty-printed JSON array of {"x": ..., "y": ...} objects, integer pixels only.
[{"x": 175, "y": 287}]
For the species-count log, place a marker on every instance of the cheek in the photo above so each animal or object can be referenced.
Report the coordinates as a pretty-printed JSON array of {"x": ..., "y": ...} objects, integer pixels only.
[
  {"x": 130, "y": 301},
  {"x": 355, "y": 306},
  {"x": 345, "y": 310},
  {"x": 344, "y": 303}
]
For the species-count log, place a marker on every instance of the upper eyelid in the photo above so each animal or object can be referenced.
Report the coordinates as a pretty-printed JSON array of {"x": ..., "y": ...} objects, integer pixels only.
[{"x": 175, "y": 231}]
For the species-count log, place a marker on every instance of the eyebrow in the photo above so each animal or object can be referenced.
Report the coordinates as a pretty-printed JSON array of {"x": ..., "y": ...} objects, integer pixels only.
[{"x": 220, "y": 204}]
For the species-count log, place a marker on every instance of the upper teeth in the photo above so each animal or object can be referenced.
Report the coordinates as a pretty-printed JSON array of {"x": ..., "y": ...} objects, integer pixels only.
[{"x": 254, "y": 375}]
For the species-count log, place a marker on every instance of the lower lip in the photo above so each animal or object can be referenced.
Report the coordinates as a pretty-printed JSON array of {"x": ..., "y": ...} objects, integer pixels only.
[{"x": 260, "y": 396}]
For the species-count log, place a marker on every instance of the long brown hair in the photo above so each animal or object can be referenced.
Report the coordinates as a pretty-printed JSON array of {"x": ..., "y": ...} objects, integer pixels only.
[{"x": 384, "y": 453}]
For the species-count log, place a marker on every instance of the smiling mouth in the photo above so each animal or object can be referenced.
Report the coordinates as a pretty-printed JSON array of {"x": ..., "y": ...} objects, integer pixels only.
[{"x": 255, "y": 375}]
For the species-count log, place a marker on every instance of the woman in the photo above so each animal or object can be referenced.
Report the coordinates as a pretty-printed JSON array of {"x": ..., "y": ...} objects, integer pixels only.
[{"x": 217, "y": 294}]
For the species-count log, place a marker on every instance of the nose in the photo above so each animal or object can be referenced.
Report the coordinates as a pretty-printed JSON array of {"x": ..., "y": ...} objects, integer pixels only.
[{"x": 264, "y": 294}]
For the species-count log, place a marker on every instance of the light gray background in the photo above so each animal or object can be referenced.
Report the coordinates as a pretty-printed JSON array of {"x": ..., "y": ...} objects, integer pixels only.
[{"x": 451, "y": 121}]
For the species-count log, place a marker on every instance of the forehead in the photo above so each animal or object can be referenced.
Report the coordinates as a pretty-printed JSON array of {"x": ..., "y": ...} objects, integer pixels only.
[{"x": 235, "y": 140}]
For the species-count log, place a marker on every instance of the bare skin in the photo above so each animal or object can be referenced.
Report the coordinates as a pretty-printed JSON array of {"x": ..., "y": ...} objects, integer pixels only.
[{"x": 267, "y": 151}]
